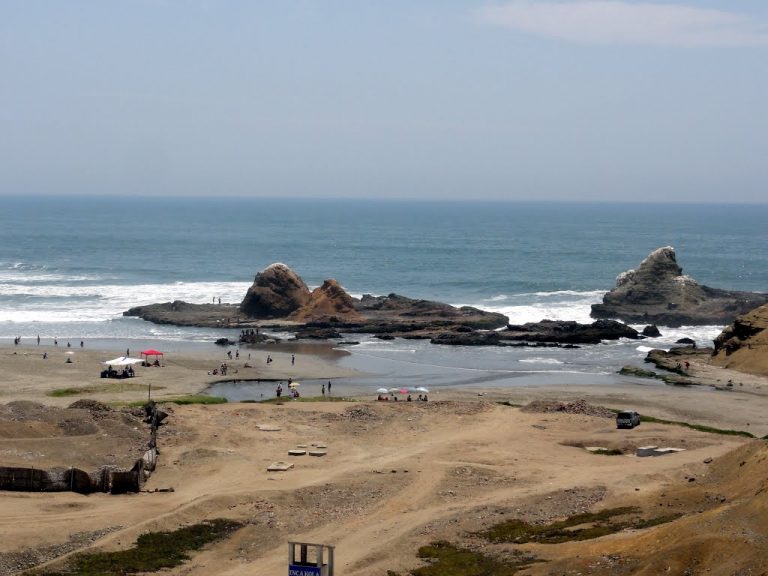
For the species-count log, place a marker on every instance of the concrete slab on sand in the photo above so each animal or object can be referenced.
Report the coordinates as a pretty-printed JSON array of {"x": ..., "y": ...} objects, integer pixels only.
[
  {"x": 279, "y": 467},
  {"x": 317, "y": 452},
  {"x": 296, "y": 452},
  {"x": 268, "y": 427}
]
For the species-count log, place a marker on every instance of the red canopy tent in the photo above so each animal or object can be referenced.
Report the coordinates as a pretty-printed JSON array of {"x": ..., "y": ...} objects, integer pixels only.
[{"x": 151, "y": 352}]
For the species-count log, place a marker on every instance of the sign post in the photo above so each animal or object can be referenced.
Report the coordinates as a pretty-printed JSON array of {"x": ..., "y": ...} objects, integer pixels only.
[{"x": 305, "y": 564}]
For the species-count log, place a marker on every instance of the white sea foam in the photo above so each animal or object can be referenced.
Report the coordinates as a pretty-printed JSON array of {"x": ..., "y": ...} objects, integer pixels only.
[
  {"x": 540, "y": 361},
  {"x": 534, "y": 307},
  {"x": 101, "y": 302}
]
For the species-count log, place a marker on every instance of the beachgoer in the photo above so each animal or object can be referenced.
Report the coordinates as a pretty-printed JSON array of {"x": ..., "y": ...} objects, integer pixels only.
[
  {"x": 425, "y": 398},
  {"x": 237, "y": 353},
  {"x": 329, "y": 387},
  {"x": 687, "y": 365},
  {"x": 409, "y": 398},
  {"x": 293, "y": 359},
  {"x": 55, "y": 341},
  {"x": 82, "y": 344},
  {"x": 322, "y": 390},
  {"x": 45, "y": 355},
  {"x": 38, "y": 339},
  {"x": 229, "y": 354},
  {"x": 69, "y": 360},
  {"x": 127, "y": 352},
  {"x": 69, "y": 345},
  {"x": 219, "y": 299}
]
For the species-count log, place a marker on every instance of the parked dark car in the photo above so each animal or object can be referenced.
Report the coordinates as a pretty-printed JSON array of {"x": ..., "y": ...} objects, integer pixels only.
[{"x": 627, "y": 419}]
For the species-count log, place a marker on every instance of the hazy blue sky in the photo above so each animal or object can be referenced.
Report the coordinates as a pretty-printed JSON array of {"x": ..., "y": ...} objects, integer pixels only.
[{"x": 560, "y": 99}]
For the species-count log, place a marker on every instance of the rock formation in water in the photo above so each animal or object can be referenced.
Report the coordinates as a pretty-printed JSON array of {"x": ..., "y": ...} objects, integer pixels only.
[
  {"x": 658, "y": 292},
  {"x": 277, "y": 292},
  {"x": 329, "y": 302},
  {"x": 547, "y": 331},
  {"x": 279, "y": 296}
]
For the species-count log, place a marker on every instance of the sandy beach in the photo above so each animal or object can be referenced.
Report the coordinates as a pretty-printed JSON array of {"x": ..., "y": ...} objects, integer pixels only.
[{"x": 396, "y": 476}]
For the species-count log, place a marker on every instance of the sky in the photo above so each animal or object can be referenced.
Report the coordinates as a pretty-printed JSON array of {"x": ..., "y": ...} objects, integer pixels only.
[{"x": 594, "y": 100}]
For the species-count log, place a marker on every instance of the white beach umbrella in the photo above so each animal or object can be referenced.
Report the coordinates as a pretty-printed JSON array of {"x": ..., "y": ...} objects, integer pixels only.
[{"x": 382, "y": 391}]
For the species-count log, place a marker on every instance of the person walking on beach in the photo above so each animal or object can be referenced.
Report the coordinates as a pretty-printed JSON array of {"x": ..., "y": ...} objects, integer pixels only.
[
  {"x": 38, "y": 339},
  {"x": 293, "y": 359},
  {"x": 329, "y": 387},
  {"x": 82, "y": 344}
]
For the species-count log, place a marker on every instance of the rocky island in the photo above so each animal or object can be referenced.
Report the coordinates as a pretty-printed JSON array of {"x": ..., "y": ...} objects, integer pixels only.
[
  {"x": 278, "y": 297},
  {"x": 657, "y": 292}
]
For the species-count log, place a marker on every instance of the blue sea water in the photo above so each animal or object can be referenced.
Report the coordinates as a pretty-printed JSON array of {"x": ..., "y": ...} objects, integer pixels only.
[{"x": 69, "y": 267}]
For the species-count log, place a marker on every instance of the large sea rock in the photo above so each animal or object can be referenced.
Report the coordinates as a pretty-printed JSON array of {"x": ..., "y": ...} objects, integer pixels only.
[
  {"x": 658, "y": 292},
  {"x": 277, "y": 292}
]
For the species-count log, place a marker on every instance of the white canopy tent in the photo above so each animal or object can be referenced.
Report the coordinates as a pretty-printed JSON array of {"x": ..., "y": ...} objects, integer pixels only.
[{"x": 122, "y": 361}]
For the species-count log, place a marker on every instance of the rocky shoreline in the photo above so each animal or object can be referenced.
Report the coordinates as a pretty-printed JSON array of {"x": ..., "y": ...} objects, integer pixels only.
[{"x": 655, "y": 293}]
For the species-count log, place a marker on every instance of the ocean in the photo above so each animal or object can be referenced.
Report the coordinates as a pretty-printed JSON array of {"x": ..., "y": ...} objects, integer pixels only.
[{"x": 69, "y": 267}]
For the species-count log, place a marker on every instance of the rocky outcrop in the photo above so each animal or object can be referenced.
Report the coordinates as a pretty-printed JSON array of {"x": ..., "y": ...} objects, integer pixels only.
[
  {"x": 180, "y": 313},
  {"x": 280, "y": 298},
  {"x": 744, "y": 344},
  {"x": 328, "y": 302},
  {"x": 421, "y": 314},
  {"x": 546, "y": 332},
  {"x": 651, "y": 331},
  {"x": 277, "y": 292},
  {"x": 568, "y": 332},
  {"x": 659, "y": 293}
]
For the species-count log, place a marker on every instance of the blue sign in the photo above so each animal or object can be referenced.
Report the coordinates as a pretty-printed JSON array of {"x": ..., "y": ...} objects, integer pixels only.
[{"x": 303, "y": 570}]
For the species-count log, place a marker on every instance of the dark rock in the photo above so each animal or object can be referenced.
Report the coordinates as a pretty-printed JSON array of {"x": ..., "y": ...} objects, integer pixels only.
[
  {"x": 467, "y": 339},
  {"x": 318, "y": 334},
  {"x": 224, "y": 342},
  {"x": 651, "y": 331},
  {"x": 424, "y": 313},
  {"x": 569, "y": 332},
  {"x": 277, "y": 292},
  {"x": 658, "y": 292},
  {"x": 181, "y": 313},
  {"x": 686, "y": 341},
  {"x": 547, "y": 333}
]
